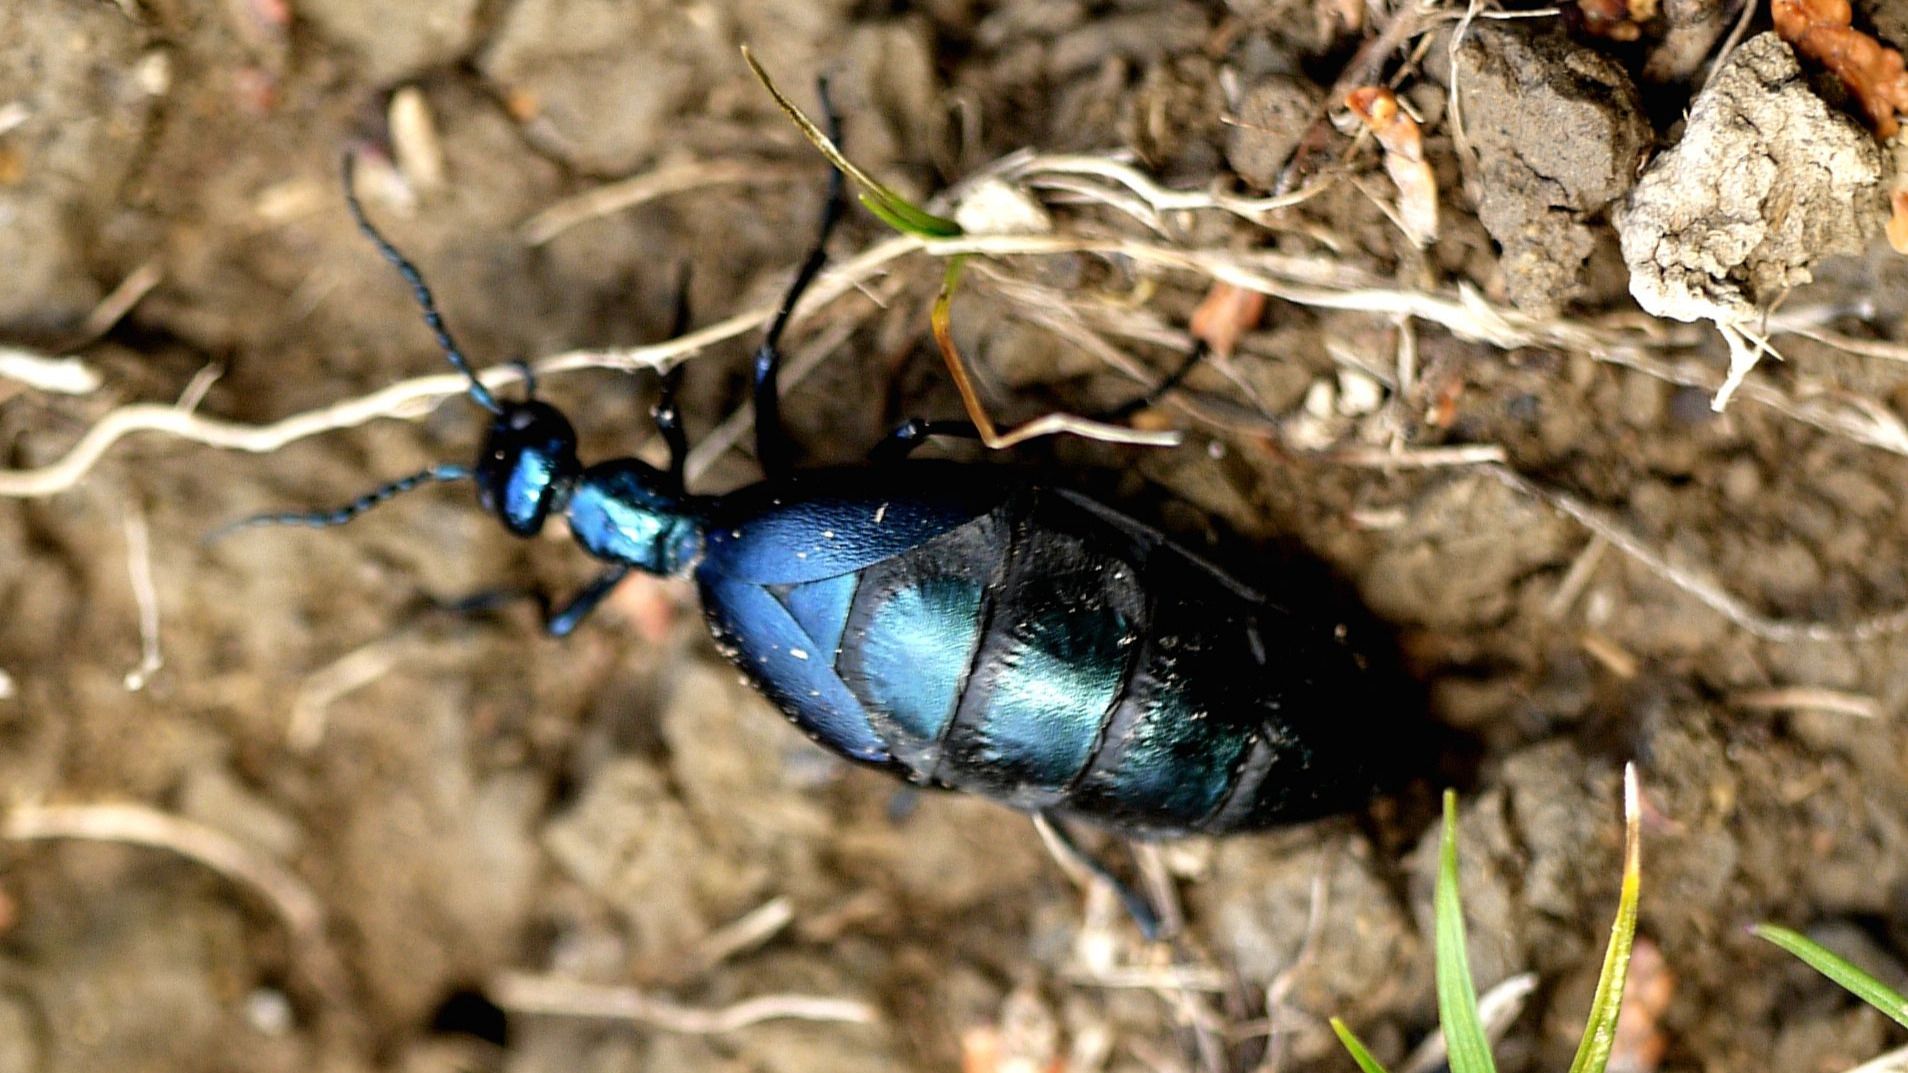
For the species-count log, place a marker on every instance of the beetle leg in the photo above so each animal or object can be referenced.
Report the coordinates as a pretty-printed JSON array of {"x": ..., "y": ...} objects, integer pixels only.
[
  {"x": 666, "y": 414},
  {"x": 560, "y": 622},
  {"x": 1133, "y": 901},
  {"x": 771, "y": 439},
  {"x": 1160, "y": 390},
  {"x": 557, "y": 621},
  {"x": 668, "y": 418},
  {"x": 912, "y": 433}
]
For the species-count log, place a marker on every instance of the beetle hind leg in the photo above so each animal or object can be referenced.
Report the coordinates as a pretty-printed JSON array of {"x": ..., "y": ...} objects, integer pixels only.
[{"x": 1060, "y": 839}]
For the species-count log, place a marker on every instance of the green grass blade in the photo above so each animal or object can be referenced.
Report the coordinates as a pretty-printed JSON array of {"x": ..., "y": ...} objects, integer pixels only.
[
  {"x": 893, "y": 209},
  {"x": 1837, "y": 968},
  {"x": 1357, "y": 1048},
  {"x": 1464, "y": 1040},
  {"x": 1593, "y": 1054}
]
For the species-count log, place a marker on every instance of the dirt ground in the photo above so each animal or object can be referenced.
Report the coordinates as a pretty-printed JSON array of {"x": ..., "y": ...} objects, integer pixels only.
[{"x": 415, "y": 817}]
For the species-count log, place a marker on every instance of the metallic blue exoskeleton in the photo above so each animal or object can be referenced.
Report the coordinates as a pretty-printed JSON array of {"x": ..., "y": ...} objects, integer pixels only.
[
  {"x": 1024, "y": 642},
  {"x": 958, "y": 626}
]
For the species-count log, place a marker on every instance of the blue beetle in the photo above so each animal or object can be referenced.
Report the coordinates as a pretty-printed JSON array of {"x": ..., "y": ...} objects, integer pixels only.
[{"x": 962, "y": 627}]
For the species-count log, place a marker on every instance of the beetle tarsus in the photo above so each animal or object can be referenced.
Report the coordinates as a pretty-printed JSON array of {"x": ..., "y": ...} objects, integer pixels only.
[
  {"x": 915, "y": 431},
  {"x": 1160, "y": 390},
  {"x": 1145, "y": 917},
  {"x": 565, "y": 619}
]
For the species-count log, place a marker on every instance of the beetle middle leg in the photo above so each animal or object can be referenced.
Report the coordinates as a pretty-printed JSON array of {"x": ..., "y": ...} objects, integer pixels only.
[{"x": 772, "y": 449}]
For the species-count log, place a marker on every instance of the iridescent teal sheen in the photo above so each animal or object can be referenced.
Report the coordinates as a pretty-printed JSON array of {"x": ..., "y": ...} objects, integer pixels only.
[
  {"x": 617, "y": 513},
  {"x": 919, "y": 642},
  {"x": 1057, "y": 679},
  {"x": 1179, "y": 760}
]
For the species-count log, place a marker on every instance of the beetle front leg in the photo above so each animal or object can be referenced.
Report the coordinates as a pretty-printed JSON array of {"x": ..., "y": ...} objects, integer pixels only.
[
  {"x": 772, "y": 448},
  {"x": 566, "y": 618}
]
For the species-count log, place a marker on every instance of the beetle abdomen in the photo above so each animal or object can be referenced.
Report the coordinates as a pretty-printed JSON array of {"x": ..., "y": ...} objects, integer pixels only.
[{"x": 1054, "y": 655}]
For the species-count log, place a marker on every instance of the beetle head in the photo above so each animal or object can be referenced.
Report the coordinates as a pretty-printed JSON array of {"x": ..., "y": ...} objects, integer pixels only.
[{"x": 527, "y": 466}]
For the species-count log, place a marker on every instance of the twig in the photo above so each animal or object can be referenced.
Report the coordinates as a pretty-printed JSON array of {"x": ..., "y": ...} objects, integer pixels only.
[
  {"x": 1287, "y": 978},
  {"x": 1307, "y": 281},
  {"x": 628, "y": 193},
  {"x": 746, "y": 932},
  {"x": 1743, "y": 18},
  {"x": 414, "y": 141},
  {"x": 1866, "y": 348},
  {"x": 145, "y": 597},
  {"x": 1496, "y": 1008},
  {"x": 291, "y": 901},
  {"x": 1694, "y": 582},
  {"x": 1154, "y": 978},
  {"x": 1462, "y": 454},
  {"x": 59, "y": 376},
  {"x": 1869, "y": 427},
  {"x": 1192, "y": 1008},
  {"x": 1808, "y": 698},
  {"x": 347, "y": 674},
  {"x": 1157, "y": 198},
  {"x": 1577, "y": 577},
  {"x": 1051, "y": 424},
  {"x": 554, "y": 996},
  {"x": 197, "y": 387},
  {"x": 117, "y": 303}
]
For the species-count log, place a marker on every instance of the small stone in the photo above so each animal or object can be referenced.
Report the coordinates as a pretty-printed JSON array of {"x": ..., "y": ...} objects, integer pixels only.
[
  {"x": 1559, "y": 132},
  {"x": 1766, "y": 181},
  {"x": 1273, "y": 116}
]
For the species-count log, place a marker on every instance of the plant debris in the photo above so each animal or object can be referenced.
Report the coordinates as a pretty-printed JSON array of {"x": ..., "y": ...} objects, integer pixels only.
[
  {"x": 1873, "y": 72},
  {"x": 1403, "y": 143}
]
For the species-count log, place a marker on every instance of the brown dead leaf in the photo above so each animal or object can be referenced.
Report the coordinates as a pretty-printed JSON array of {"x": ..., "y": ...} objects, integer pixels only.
[{"x": 1226, "y": 313}]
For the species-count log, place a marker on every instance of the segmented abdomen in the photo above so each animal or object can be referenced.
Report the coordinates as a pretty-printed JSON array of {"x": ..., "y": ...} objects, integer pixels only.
[{"x": 1053, "y": 656}]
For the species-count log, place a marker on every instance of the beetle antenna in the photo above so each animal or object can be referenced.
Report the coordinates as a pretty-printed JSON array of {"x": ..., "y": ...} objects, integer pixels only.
[
  {"x": 419, "y": 289},
  {"x": 321, "y": 519}
]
